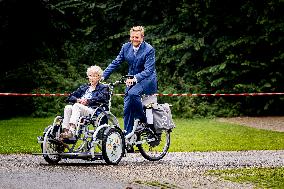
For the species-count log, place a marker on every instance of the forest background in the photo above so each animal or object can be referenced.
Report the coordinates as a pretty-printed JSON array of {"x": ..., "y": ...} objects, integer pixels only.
[{"x": 202, "y": 46}]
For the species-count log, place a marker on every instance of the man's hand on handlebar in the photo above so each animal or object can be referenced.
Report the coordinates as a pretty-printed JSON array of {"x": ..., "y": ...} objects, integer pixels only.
[{"x": 130, "y": 81}]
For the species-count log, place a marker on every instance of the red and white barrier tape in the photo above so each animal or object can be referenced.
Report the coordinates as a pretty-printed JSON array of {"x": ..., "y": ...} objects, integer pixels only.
[
  {"x": 174, "y": 94},
  {"x": 221, "y": 94},
  {"x": 33, "y": 94}
]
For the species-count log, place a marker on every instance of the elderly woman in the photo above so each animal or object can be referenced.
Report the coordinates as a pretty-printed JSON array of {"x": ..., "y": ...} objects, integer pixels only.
[{"x": 84, "y": 99}]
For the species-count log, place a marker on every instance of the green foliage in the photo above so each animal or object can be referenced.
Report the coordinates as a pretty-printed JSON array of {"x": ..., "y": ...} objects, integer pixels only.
[
  {"x": 201, "y": 47},
  {"x": 222, "y": 60},
  {"x": 62, "y": 78},
  {"x": 117, "y": 106},
  {"x": 48, "y": 106}
]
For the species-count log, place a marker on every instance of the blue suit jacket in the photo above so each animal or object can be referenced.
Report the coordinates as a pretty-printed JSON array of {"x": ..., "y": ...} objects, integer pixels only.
[{"x": 141, "y": 65}]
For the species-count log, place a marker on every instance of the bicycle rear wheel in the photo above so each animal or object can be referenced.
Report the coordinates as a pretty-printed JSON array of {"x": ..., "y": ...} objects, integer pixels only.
[{"x": 154, "y": 146}]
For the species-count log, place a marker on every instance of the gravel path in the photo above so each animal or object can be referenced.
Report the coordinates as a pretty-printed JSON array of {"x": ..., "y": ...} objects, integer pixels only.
[
  {"x": 178, "y": 170},
  {"x": 274, "y": 123}
]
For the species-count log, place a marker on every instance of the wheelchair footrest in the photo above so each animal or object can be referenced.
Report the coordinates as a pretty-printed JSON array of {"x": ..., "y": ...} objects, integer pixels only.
[
  {"x": 72, "y": 140},
  {"x": 82, "y": 155}
]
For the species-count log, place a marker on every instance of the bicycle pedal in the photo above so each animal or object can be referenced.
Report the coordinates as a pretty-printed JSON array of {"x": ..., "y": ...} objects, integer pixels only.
[
  {"x": 130, "y": 149},
  {"x": 39, "y": 138}
]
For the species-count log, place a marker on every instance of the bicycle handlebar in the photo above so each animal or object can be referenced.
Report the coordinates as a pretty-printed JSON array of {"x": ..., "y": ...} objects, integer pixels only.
[{"x": 122, "y": 80}]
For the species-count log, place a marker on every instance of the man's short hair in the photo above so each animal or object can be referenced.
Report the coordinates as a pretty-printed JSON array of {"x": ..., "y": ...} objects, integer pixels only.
[{"x": 138, "y": 28}]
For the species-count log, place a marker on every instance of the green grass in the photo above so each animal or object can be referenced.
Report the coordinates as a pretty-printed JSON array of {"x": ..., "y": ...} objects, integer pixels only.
[
  {"x": 158, "y": 184},
  {"x": 210, "y": 135},
  {"x": 260, "y": 177},
  {"x": 18, "y": 135}
]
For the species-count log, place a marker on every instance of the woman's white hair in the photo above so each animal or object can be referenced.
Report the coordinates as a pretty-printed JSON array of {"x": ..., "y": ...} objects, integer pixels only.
[{"x": 95, "y": 70}]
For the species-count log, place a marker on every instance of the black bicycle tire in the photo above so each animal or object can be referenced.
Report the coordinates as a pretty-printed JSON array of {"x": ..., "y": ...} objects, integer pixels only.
[{"x": 165, "y": 149}]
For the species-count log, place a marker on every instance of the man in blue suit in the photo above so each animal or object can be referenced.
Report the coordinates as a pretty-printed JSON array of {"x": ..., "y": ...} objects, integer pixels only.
[{"x": 140, "y": 57}]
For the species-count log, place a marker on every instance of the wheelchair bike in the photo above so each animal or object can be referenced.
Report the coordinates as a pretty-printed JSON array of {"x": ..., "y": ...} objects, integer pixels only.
[{"x": 100, "y": 137}]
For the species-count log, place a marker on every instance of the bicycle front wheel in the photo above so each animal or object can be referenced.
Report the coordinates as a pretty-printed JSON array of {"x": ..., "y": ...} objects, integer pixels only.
[
  {"x": 113, "y": 146},
  {"x": 154, "y": 147}
]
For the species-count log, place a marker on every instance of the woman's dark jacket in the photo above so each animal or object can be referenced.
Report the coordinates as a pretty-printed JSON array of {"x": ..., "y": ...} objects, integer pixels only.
[{"x": 99, "y": 95}]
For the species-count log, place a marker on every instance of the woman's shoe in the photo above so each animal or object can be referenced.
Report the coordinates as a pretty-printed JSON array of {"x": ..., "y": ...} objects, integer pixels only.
[{"x": 68, "y": 134}]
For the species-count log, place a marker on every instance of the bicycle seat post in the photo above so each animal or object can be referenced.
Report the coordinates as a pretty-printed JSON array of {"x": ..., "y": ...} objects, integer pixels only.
[{"x": 149, "y": 116}]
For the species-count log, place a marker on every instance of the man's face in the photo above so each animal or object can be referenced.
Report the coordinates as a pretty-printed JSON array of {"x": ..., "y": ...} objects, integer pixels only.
[{"x": 136, "y": 38}]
